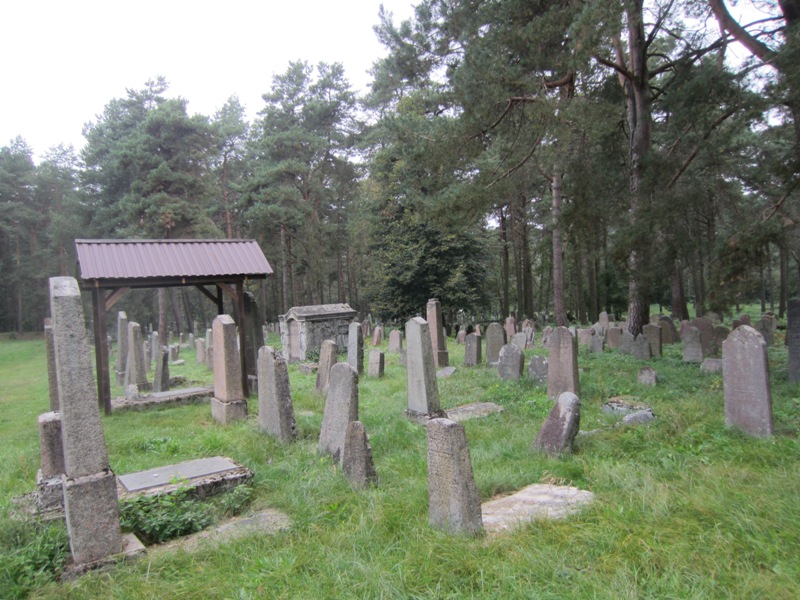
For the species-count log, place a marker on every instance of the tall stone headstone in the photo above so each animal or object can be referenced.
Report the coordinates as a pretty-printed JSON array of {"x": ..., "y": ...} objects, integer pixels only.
[
  {"x": 422, "y": 389},
  {"x": 453, "y": 501},
  {"x": 653, "y": 334},
  {"x": 669, "y": 333},
  {"x": 510, "y": 363},
  {"x": 495, "y": 339},
  {"x": 341, "y": 407},
  {"x": 228, "y": 403},
  {"x": 200, "y": 351},
  {"x": 745, "y": 382},
  {"x": 604, "y": 321},
  {"x": 355, "y": 347},
  {"x": 765, "y": 326},
  {"x": 155, "y": 349},
  {"x": 438, "y": 337},
  {"x": 395, "y": 341},
  {"x": 122, "y": 347},
  {"x": 706, "y": 328},
  {"x": 560, "y": 427},
  {"x": 275, "y": 408},
  {"x": 626, "y": 341},
  {"x": 585, "y": 336},
  {"x": 640, "y": 349},
  {"x": 793, "y": 339},
  {"x": 472, "y": 350},
  {"x": 161, "y": 377},
  {"x": 328, "y": 356},
  {"x": 89, "y": 484},
  {"x": 52, "y": 379},
  {"x": 377, "y": 336},
  {"x": 596, "y": 343},
  {"x": 376, "y": 362},
  {"x": 461, "y": 336},
  {"x": 135, "y": 370},
  {"x": 721, "y": 333},
  {"x": 357, "y": 456},
  {"x": 612, "y": 337},
  {"x": 692, "y": 346},
  {"x": 510, "y": 327},
  {"x": 520, "y": 340},
  {"x": 562, "y": 364}
]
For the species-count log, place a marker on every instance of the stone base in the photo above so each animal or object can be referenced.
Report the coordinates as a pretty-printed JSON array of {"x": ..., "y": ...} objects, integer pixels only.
[
  {"x": 171, "y": 398},
  {"x": 228, "y": 412},
  {"x": 131, "y": 548},
  {"x": 92, "y": 513},
  {"x": 49, "y": 494},
  {"x": 423, "y": 418},
  {"x": 442, "y": 359}
]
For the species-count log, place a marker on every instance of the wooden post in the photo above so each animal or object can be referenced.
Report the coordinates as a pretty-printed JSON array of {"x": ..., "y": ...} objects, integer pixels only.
[
  {"x": 240, "y": 321},
  {"x": 101, "y": 350}
]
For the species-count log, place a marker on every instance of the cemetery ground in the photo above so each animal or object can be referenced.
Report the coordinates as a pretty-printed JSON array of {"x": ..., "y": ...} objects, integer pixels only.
[{"x": 684, "y": 506}]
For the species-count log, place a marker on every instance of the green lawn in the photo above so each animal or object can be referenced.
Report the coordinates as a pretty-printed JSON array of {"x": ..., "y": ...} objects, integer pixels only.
[{"x": 685, "y": 508}]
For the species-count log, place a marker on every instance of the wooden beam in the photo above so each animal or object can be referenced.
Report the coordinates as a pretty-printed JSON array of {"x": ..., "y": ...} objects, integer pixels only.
[
  {"x": 231, "y": 290},
  {"x": 239, "y": 304},
  {"x": 101, "y": 351},
  {"x": 114, "y": 297}
]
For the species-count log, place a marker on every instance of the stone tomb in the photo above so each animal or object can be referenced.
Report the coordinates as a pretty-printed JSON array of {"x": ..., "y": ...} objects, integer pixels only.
[{"x": 304, "y": 328}]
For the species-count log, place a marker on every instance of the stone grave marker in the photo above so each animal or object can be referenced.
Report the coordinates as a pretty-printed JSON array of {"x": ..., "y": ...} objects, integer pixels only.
[
  {"x": 495, "y": 339},
  {"x": 613, "y": 337},
  {"x": 357, "y": 456},
  {"x": 275, "y": 407},
  {"x": 438, "y": 336},
  {"x": 461, "y": 337},
  {"x": 328, "y": 356},
  {"x": 510, "y": 327},
  {"x": 546, "y": 332},
  {"x": 561, "y": 426},
  {"x": 510, "y": 363},
  {"x": 692, "y": 347},
  {"x": 200, "y": 351},
  {"x": 765, "y": 328},
  {"x": 395, "y": 341},
  {"x": 745, "y": 382},
  {"x": 653, "y": 333},
  {"x": 596, "y": 343},
  {"x": 710, "y": 366},
  {"x": 721, "y": 333},
  {"x": 537, "y": 369},
  {"x": 122, "y": 347},
  {"x": 626, "y": 341},
  {"x": 562, "y": 364},
  {"x": 376, "y": 361},
  {"x": 341, "y": 407},
  {"x": 355, "y": 347},
  {"x": 228, "y": 403},
  {"x": 793, "y": 339},
  {"x": 669, "y": 334},
  {"x": 135, "y": 370},
  {"x": 377, "y": 336},
  {"x": 706, "y": 329},
  {"x": 472, "y": 350},
  {"x": 52, "y": 380},
  {"x": 161, "y": 377},
  {"x": 520, "y": 340},
  {"x": 640, "y": 349},
  {"x": 585, "y": 336},
  {"x": 647, "y": 376},
  {"x": 604, "y": 321},
  {"x": 422, "y": 389}
]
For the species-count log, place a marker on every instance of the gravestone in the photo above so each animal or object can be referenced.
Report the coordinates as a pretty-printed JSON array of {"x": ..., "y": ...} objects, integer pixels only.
[
  {"x": 706, "y": 329},
  {"x": 357, "y": 456},
  {"x": 603, "y": 320},
  {"x": 596, "y": 343},
  {"x": 721, "y": 333},
  {"x": 89, "y": 484},
  {"x": 495, "y": 339},
  {"x": 209, "y": 349},
  {"x": 395, "y": 341},
  {"x": 793, "y": 339},
  {"x": 161, "y": 377},
  {"x": 52, "y": 380},
  {"x": 376, "y": 360},
  {"x": 49, "y": 494},
  {"x": 472, "y": 350},
  {"x": 626, "y": 341},
  {"x": 537, "y": 369},
  {"x": 530, "y": 337},
  {"x": 520, "y": 340},
  {"x": 613, "y": 337},
  {"x": 341, "y": 407},
  {"x": 546, "y": 332},
  {"x": 765, "y": 328},
  {"x": 560, "y": 427},
  {"x": 461, "y": 337},
  {"x": 422, "y": 389},
  {"x": 745, "y": 382},
  {"x": 585, "y": 336},
  {"x": 275, "y": 408},
  {"x": 377, "y": 336},
  {"x": 692, "y": 346},
  {"x": 365, "y": 325},
  {"x": 122, "y": 347},
  {"x": 640, "y": 349},
  {"x": 510, "y": 363},
  {"x": 328, "y": 356},
  {"x": 477, "y": 329},
  {"x": 562, "y": 364},
  {"x": 228, "y": 403},
  {"x": 200, "y": 349},
  {"x": 453, "y": 501},
  {"x": 155, "y": 349},
  {"x": 745, "y": 319},
  {"x": 669, "y": 334},
  {"x": 647, "y": 376},
  {"x": 355, "y": 347},
  {"x": 174, "y": 353},
  {"x": 710, "y": 366},
  {"x": 135, "y": 372},
  {"x": 510, "y": 327},
  {"x": 438, "y": 336},
  {"x": 653, "y": 333}
]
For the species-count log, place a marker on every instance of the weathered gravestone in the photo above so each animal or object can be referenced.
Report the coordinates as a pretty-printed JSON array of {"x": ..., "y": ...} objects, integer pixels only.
[
  {"x": 122, "y": 347},
  {"x": 626, "y": 341},
  {"x": 254, "y": 335},
  {"x": 706, "y": 328},
  {"x": 562, "y": 364},
  {"x": 710, "y": 366},
  {"x": 530, "y": 337},
  {"x": 561, "y": 426},
  {"x": 766, "y": 328},
  {"x": 745, "y": 319},
  {"x": 438, "y": 337},
  {"x": 395, "y": 341},
  {"x": 640, "y": 349},
  {"x": 647, "y": 376},
  {"x": 462, "y": 336},
  {"x": 669, "y": 334},
  {"x": 692, "y": 346},
  {"x": 510, "y": 327},
  {"x": 793, "y": 339},
  {"x": 357, "y": 456},
  {"x": 612, "y": 337},
  {"x": 355, "y": 347},
  {"x": 275, "y": 408},
  {"x": 745, "y": 382},
  {"x": 228, "y": 403},
  {"x": 341, "y": 407},
  {"x": 495, "y": 339},
  {"x": 327, "y": 358},
  {"x": 377, "y": 336},
  {"x": 653, "y": 334},
  {"x": 546, "y": 335},
  {"x": 422, "y": 389},
  {"x": 453, "y": 501},
  {"x": 173, "y": 353},
  {"x": 155, "y": 349},
  {"x": 520, "y": 340},
  {"x": 721, "y": 333},
  {"x": 596, "y": 343},
  {"x": 52, "y": 380},
  {"x": 472, "y": 350},
  {"x": 375, "y": 366},
  {"x": 89, "y": 484},
  {"x": 537, "y": 369},
  {"x": 49, "y": 494},
  {"x": 161, "y": 377},
  {"x": 585, "y": 336},
  {"x": 135, "y": 371},
  {"x": 200, "y": 351},
  {"x": 604, "y": 321},
  {"x": 510, "y": 363}
]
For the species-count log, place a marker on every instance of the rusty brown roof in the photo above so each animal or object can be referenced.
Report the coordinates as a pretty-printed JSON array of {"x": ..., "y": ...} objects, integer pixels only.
[{"x": 165, "y": 259}]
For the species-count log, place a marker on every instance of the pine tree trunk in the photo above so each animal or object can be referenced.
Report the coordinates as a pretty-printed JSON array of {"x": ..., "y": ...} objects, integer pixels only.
[
  {"x": 677, "y": 296},
  {"x": 162, "y": 316},
  {"x": 284, "y": 275},
  {"x": 559, "y": 300},
  {"x": 504, "y": 302},
  {"x": 784, "y": 267}
]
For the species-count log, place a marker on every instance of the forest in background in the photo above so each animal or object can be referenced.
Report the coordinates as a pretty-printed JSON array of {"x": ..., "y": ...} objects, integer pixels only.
[{"x": 528, "y": 157}]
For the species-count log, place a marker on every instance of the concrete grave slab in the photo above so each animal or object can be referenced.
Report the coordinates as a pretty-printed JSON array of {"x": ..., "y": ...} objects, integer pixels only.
[
  {"x": 181, "y": 397},
  {"x": 474, "y": 410},
  {"x": 534, "y": 502},
  {"x": 191, "y": 469}
]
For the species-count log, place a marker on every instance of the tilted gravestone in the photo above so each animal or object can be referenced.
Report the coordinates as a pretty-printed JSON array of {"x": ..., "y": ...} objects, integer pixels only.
[
  {"x": 692, "y": 346},
  {"x": 745, "y": 382},
  {"x": 560, "y": 427},
  {"x": 89, "y": 484},
  {"x": 275, "y": 407},
  {"x": 228, "y": 403},
  {"x": 453, "y": 501},
  {"x": 653, "y": 334},
  {"x": 472, "y": 350},
  {"x": 422, "y": 389},
  {"x": 355, "y": 347},
  {"x": 510, "y": 363},
  {"x": 328, "y": 355},
  {"x": 341, "y": 407},
  {"x": 793, "y": 339},
  {"x": 438, "y": 336},
  {"x": 376, "y": 361},
  {"x": 357, "y": 462},
  {"x": 562, "y": 364},
  {"x": 495, "y": 339}
]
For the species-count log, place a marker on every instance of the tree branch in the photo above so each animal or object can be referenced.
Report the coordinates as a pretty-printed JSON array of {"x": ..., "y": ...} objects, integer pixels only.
[
  {"x": 519, "y": 164},
  {"x": 755, "y": 46}
]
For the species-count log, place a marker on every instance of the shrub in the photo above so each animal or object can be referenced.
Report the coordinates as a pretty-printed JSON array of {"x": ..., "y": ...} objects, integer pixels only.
[{"x": 156, "y": 519}]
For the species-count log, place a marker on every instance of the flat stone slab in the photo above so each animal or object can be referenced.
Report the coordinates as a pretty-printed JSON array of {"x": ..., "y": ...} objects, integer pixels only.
[
  {"x": 269, "y": 521},
  {"x": 475, "y": 410},
  {"x": 623, "y": 405},
  {"x": 162, "y": 476},
  {"x": 537, "y": 501},
  {"x": 181, "y": 397}
]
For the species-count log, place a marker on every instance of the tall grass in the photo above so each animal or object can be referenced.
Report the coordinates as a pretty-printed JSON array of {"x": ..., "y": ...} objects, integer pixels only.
[{"x": 685, "y": 507}]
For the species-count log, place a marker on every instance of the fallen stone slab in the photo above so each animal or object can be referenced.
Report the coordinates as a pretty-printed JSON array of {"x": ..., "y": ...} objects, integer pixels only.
[
  {"x": 623, "y": 405},
  {"x": 638, "y": 417},
  {"x": 475, "y": 410},
  {"x": 445, "y": 372},
  {"x": 534, "y": 502},
  {"x": 269, "y": 521},
  {"x": 182, "y": 397}
]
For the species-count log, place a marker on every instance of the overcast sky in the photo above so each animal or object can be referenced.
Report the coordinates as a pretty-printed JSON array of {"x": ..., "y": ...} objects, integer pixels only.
[{"x": 64, "y": 60}]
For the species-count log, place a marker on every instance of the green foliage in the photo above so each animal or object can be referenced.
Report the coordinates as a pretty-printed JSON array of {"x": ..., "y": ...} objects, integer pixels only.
[
  {"x": 156, "y": 519},
  {"x": 31, "y": 555},
  {"x": 236, "y": 501}
]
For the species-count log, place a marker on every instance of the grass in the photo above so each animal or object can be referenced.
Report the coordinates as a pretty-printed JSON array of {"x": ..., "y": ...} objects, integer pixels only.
[{"x": 685, "y": 507}]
